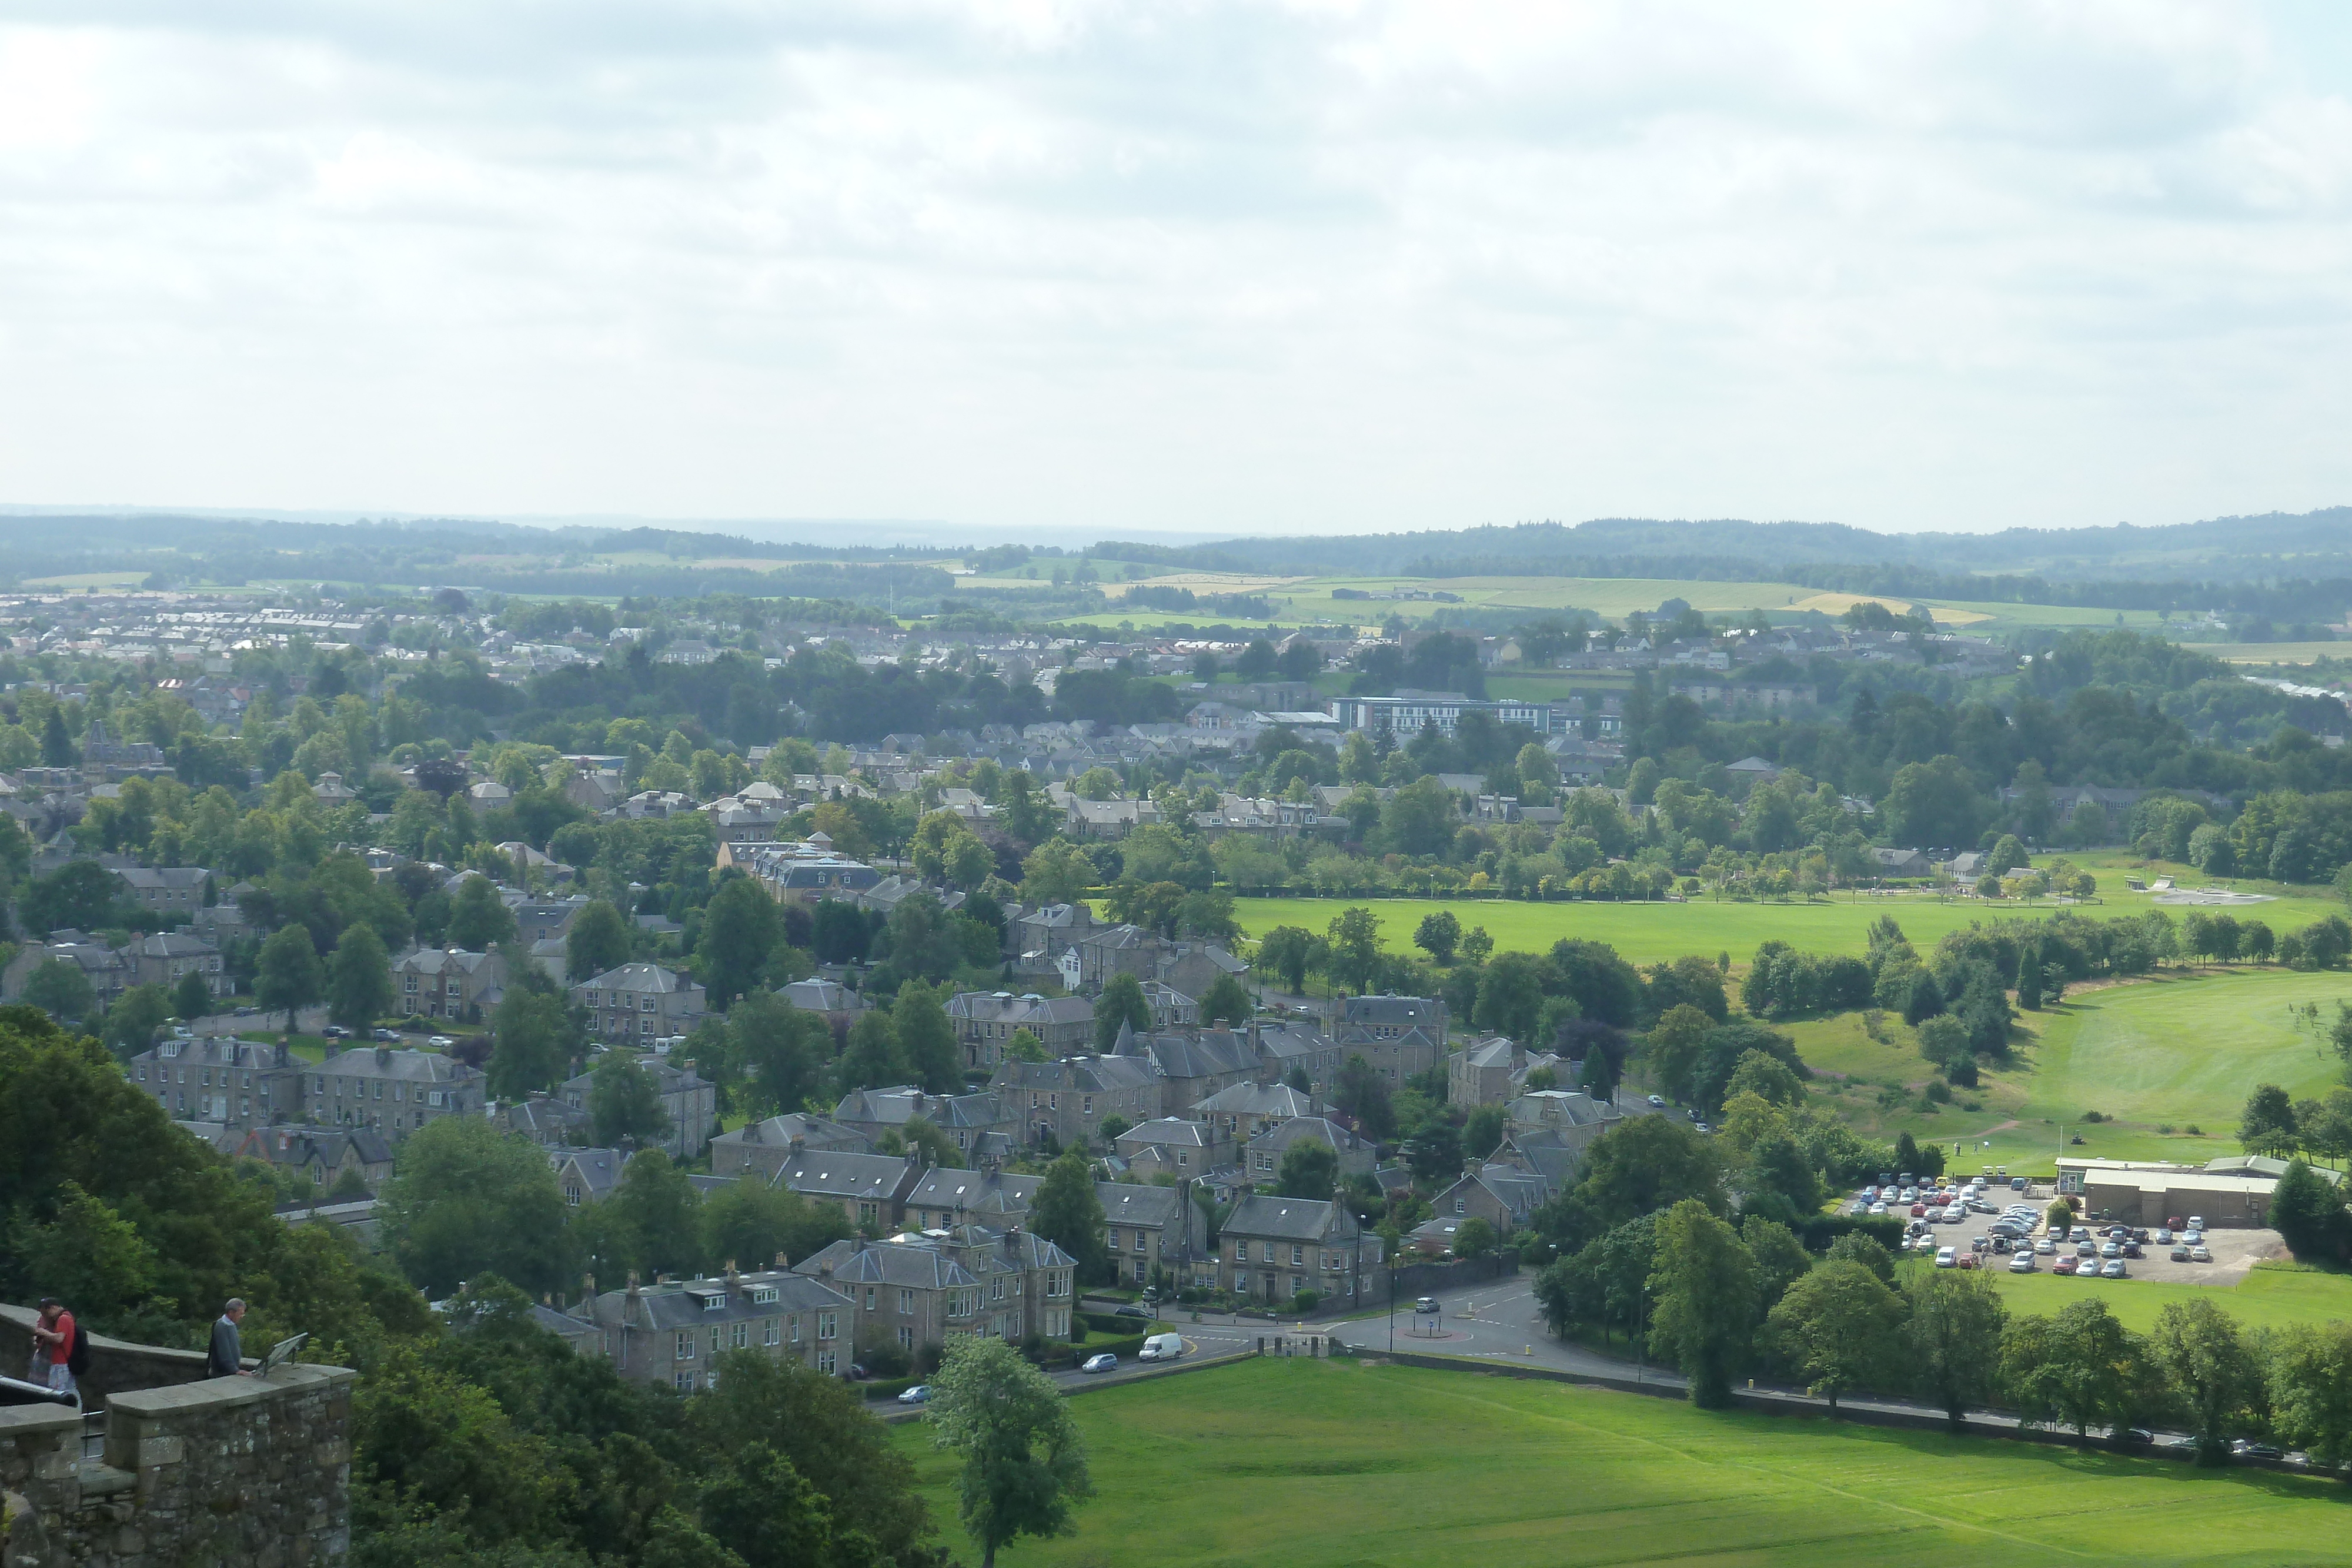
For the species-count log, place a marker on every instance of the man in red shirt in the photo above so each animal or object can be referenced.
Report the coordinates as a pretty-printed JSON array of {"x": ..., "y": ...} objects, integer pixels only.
[{"x": 53, "y": 1343}]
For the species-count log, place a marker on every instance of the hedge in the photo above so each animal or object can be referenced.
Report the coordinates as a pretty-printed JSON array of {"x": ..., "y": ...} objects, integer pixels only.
[
  {"x": 887, "y": 1387},
  {"x": 1817, "y": 1231}
]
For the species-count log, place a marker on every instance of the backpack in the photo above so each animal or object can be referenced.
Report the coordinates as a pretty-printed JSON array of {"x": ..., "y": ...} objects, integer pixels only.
[{"x": 77, "y": 1358}]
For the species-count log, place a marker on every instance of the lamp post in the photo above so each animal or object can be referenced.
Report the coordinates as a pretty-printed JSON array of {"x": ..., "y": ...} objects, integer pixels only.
[{"x": 1642, "y": 1336}]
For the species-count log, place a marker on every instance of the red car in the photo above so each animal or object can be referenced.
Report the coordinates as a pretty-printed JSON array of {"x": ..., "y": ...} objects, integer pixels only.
[{"x": 2064, "y": 1265}]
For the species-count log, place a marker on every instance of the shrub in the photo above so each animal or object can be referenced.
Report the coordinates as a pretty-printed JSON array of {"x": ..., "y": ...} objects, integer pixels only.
[
  {"x": 2092, "y": 1116},
  {"x": 1305, "y": 1301}
]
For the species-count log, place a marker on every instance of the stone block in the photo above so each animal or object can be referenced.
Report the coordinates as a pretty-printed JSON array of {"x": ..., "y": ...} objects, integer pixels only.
[{"x": 154, "y": 1451}]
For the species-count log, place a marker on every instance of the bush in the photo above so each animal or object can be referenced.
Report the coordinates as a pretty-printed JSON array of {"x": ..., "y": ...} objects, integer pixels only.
[
  {"x": 1305, "y": 1301},
  {"x": 2092, "y": 1116}
]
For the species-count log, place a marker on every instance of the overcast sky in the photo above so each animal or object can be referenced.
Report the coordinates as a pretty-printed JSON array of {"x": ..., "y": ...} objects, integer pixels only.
[{"x": 1205, "y": 268}]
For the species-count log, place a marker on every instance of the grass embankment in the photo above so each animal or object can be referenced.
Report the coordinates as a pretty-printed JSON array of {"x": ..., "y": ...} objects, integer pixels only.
[{"x": 1314, "y": 1464}]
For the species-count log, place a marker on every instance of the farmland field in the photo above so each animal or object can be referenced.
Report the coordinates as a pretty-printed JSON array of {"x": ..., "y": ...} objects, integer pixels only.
[{"x": 1318, "y": 1464}]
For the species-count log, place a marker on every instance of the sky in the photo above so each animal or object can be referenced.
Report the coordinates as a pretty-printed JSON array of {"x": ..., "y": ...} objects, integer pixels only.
[{"x": 1204, "y": 267}]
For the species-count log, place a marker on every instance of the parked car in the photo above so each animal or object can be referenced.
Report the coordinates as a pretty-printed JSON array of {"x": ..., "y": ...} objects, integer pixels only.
[
  {"x": 2247, "y": 1448},
  {"x": 1968, "y": 1261},
  {"x": 334, "y": 1031},
  {"x": 2192, "y": 1236},
  {"x": 1106, "y": 1362},
  {"x": 2134, "y": 1435},
  {"x": 387, "y": 1037},
  {"x": 2111, "y": 1248},
  {"x": 2021, "y": 1264},
  {"x": 2180, "y": 1253},
  {"x": 1878, "y": 1208},
  {"x": 2017, "y": 1184},
  {"x": 440, "y": 1042},
  {"x": 2195, "y": 1222},
  {"x": 2064, "y": 1265},
  {"x": 246, "y": 1012},
  {"x": 2163, "y": 1236},
  {"x": 1946, "y": 1256},
  {"x": 2045, "y": 1246},
  {"x": 2112, "y": 1268},
  {"x": 1659, "y": 1101},
  {"x": 2200, "y": 1255},
  {"x": 1133, "y": 1311},
  {"x": 919, "y": 1395},
  {"x": 1425, "y": 1304}
]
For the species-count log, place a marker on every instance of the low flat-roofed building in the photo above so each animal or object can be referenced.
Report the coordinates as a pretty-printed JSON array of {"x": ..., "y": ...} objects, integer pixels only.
[{"x": 2229, "y": 1193}]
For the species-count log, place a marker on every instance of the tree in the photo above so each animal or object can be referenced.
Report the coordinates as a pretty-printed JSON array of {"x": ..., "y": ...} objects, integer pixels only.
[
  {"x": 478, "y": 918},
  {"x": 598, "y": 941},
  {"x": 658, "y": 1212},
  {"x": 1438, "y": 934},
  {"x": 288, "y": 975},
  {"x": 1068, "y": 1212},
  {"x": 1474, "y": 1238},
  {"x": 738, "y": 926},
  {"x": 2309, "y": 1215},
  {"x": 533, "y": 1040},
  {"x": 1287, "y": 951},
  {"x": 1511, "y": 995},
  {"x": 2212, "y": 1370},
  {"x": 1673, "y": 1047},
  {"x": 927, "y": 1041},
  {"x": 359, "y": 978},
  {"x": 1310, "y": 1167},
  {"x": 2081, "y": 1369},
  {"x": 1256, "y": 661},
  {"x": 1703, "y": 1293},
  {"x": 1953, "y": 1340},
  {"x": 464, "y": 1198},
  {"x": 190, "y": 997},
  {"x": 1025, "y": 1463},
  {"x": 132, "y": 1020},
  {"x": 1227, "y": 1003},
  {"x": 751, "y": 1224},
  {"x": 1056, "y": 872},
  {"x": 762, "y": 1509},
  {"x": 2268, "y": 1125},
  {"x": 1362, "y": 1094},
  {"x": 88, "y": 1256},
  {"x": 1355, "y": 947},
  {"x": 1839, "y": 1327},
  {"x": 872, "y": 1061},
  {"x": 1482, "y": 1134},
  {"x": 777, "y": 1052},
  {"x": 1781, "y": 1258},
  {"x": 2310, "y": 1373},
  {"x": 80, "y": 895},
  {"x": 1024, "y": 1046},
  {"x": 624, "y": 1102},
  {"x": 1121, "y": 1002}
]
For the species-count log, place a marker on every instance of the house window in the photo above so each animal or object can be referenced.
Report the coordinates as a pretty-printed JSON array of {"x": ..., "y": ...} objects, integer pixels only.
[
  {"x": 796, "y": 1331},
  {"x": 686, "y": 1346},
  {"x": 769, "y": 1331},
  {"x": 1460, "y": 1205},
  {"x": 826, "y": 1362},
  {"x": 906, "y": 1338},
  {"x": 869, "y": 1298},
  {"x": 827, "y": 1325},
  {"x": 906, "y": 1305},
  {"x": 683, "y": 1383},
  {"x": 1297, "y": 1257}
]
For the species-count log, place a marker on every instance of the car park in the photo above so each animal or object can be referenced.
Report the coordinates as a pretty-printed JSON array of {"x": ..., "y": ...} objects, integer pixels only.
[
  {"x": 1106, "y": 1362},
  {"x": 2112, "y": 1268},
  {"x": 2200, "y": 1255},
  {"x": 919, "y": 1395},
  {"x": 2021, "y": 1264}
]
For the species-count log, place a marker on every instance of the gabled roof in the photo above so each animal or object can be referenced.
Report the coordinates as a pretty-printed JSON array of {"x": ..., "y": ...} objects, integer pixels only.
[
  {"x": 1256, "y": 1100},
  {"x": 835, "y": 1173},
  {"x": 1392, "y": 1011},
  {"x": 907, "y": 1264},
  {"x": 641, "y": 978},
  {"x": 1289, "y": 1218},
  {"x": 975, "y": 1192},
  {"x": 1150, "y": 1207},
  {"x": 1174, "y": 1131},
  {"x": 1315, "y": 1128}
]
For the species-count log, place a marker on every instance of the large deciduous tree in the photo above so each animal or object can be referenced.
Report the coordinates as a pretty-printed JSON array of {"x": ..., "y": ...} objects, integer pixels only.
[
  {"x": 1025, "y": 1463},
  {"x": 1703, "y": 1295},
  {"x": 1840, "y": 1328}
]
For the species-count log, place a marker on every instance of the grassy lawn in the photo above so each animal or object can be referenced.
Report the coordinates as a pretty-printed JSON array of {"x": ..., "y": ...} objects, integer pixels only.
[
  {"x": 1310, "y": 1464},
  {"x": 2266, "y": 1298}
]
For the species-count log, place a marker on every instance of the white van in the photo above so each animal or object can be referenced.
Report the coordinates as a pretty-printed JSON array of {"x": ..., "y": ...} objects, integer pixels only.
[{"x": 1161, "y": 1347}]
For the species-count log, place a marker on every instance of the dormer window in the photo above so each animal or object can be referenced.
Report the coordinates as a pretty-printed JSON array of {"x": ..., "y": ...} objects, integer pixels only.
[{"x": 764, "y": 1296}]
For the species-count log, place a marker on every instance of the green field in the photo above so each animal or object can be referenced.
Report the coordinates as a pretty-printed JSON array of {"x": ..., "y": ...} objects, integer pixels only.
[
  {"x": 2183, "y": 1050},
  {"x": 1316, "y": 1464},
  {"x": 2267, "y": 1298}
]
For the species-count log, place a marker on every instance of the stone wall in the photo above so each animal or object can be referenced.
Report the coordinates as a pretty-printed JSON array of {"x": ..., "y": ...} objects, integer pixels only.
[
  {"x": 115, "y": 1364},
  {"x": 230, "y": 1470}
]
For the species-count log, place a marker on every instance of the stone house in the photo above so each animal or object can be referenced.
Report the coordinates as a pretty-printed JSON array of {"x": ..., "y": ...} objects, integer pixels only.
[
  {"x": 870, "y": 1190},
  {"x": 674, "y": 1332},
  {"x": 108, "y": 971},
  {"x": 1177, "y": 1146},
  {"x": 235, "y": 1082},
  {"x": 1241, "y": 1113},
  {"x": 586, "y": 1175},
  {"x": 449, "y": 983},
  {"x": 163, "y": 957},
  {"x": 1261, "y": 1158},
  {"x": 1003, "y": 1282},
  {"x": 1146, "y": 1229},
  {"x": 166, "y": 889},
  {"x": 946, "y": 1197},
  {"x": 1053, "y": 929},
  {"x": 1485, "y": 1071},
  {"x": 1502, "y": 1194},
  {"x": 1192, "y": 1065},
  {"x": 1569, "y": 1116},
  {"x": 640, "y": 1003},
  {"x": 980, "y": 1125},
  {"x": 1069, "y": 1100},
  {"x": 984, "y": 1020},
  {"x": 319, "y": 1154},
  {"x": 394, "y": 1092},
  {"x": 758, "y": 1149},
  {"x": 1295, "y": 1047},
  {"x": 1271, "y": 1249},
  {"x": 1195, "y": 968},
  {"x": 545, "y": 1119}
]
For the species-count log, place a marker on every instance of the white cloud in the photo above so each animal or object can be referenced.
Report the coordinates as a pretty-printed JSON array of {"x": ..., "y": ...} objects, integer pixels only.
[{"x": 1180, "y": 266}]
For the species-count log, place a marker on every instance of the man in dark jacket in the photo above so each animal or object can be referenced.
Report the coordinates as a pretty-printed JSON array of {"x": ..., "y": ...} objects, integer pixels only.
[{"x": 227, "y": 1359}]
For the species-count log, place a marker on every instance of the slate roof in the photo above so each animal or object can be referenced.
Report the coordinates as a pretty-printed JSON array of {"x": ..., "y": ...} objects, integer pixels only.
[
  {"x": 834, "y": 1173},
  {"x": 1150, "y": 1207},
  {"x": 1289, "y": 1218},
  {"x": 640, "y": 978},
  {"x": 684, "y": 1304},
  {"x": 1392, "y": 1011},
  {"x": 1280, "y": 1137},
  {"x": 975, "y": 1192},
  {"x": 1175, "y": 1132},
  {"x": 894, "y": 1107},
  {"x": 407, "y": 1066},
  {"x": 903, "y": 1263},
  {"x": 1256, "y": 1100}
]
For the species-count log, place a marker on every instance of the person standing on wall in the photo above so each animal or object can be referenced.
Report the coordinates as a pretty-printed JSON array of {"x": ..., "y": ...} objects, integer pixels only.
[
  {"x": 54, "y": 1335},
  {"x": 228, "y": 1357}
]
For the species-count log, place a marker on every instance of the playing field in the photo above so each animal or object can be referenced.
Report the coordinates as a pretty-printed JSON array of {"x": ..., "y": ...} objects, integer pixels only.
[
  {"x": 1318, "y": 1464},
  {"x": 2180, "y": 1051}
]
